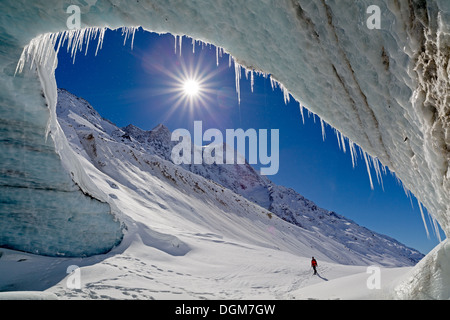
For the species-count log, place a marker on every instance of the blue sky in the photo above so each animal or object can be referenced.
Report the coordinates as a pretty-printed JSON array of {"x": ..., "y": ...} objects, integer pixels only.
[{"x": 141, "y": 86}]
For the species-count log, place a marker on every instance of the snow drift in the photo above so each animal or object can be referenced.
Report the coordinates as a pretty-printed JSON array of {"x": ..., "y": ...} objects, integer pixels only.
[{"x": 385, "y": 90}]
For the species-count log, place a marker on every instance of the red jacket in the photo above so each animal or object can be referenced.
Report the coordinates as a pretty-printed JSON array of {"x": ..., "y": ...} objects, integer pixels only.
[{"x": 313, "y": 262}]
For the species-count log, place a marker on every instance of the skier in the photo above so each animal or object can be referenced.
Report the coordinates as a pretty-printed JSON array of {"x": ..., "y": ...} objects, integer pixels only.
[{"x": 314, "y": 265}]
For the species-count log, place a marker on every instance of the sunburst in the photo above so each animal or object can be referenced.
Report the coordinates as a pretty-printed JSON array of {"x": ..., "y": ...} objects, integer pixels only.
[{"x": 191, "y": 88}]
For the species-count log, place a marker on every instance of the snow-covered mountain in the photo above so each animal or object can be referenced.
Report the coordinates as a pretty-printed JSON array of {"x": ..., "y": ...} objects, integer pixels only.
[{"x": 112, "y": 149}]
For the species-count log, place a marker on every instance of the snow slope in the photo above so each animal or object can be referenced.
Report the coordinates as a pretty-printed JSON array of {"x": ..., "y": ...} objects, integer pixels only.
[
  {"x": 337, "y": 238},
  {"x": 385, "y": 90},
  {"x": 214, "y": 269}
]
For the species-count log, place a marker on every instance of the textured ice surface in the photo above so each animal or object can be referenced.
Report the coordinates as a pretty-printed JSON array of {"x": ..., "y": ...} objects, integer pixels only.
[
  {"x": 42, "y": 209},
  {"x": 385, "y": 90},
  {"x": 430, "y": 279}
]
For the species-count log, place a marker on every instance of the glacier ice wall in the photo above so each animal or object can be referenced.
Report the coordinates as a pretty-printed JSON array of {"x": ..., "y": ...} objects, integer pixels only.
[
  {"x": 385, "y": 90},
  {"x": 47, "y": 205}
]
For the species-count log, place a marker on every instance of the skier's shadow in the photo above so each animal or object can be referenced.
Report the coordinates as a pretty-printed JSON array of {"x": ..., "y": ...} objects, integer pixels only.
[{"x": 317, "y": 274}]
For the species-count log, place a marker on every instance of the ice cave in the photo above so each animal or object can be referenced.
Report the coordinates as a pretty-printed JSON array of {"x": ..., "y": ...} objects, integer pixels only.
[{"x": 386, "y": 90}]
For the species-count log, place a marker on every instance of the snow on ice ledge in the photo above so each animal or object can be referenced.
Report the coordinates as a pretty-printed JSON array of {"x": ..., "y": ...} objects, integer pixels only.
[{"x": 384, "y": 90}]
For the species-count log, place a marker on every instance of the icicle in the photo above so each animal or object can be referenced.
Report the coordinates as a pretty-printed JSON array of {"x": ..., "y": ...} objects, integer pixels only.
[
  {"x": 436, "y": 229},
  {"x": 252, "y": 80},
  {"x": 229, "y": 61},
  {"x": 407, "y": 192},
  {"x": 48, "y": 48},
  {"x": 408, "y": 195},
  {"x": 338, "y": 139},
  {"x": 368, "y": 169},
  {"x": 126, "y": 31},
  {"x": 100, "y": 39},
  {"x": 71, "y": 44},
  {"x": 301, "y": 112},
  {"x": 193, "y": 46},
  {"x": 343, "y": 142},
  {"x": 352, "y": 148},
  {"x": 61, "y": 39},
  {"x": 272, "y": 83},
  {"x": 175, "y": 43},
  {"x": 180, "y": 43},
  {"x": 41, "y": 48},
  {"x": 125, "y": 35},
  {"x": 88, "y": 37},
  {"x": 376, "y": 165},
  {"x": 217, "y": 56},
  {"x": 323, "y": 129},
  {"x": 285, "y": 94},
  {"x": 423, "y": 219},
  {"x": 132, "y": 37},
  {"x": 246, "y": 71},
  {"x": 237, "y": 71},
  {"x": 78, "y": 46}
]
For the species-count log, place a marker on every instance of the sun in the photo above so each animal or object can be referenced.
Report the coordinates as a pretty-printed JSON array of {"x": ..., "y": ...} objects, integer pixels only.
[{"x": 191, "y": 87}]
